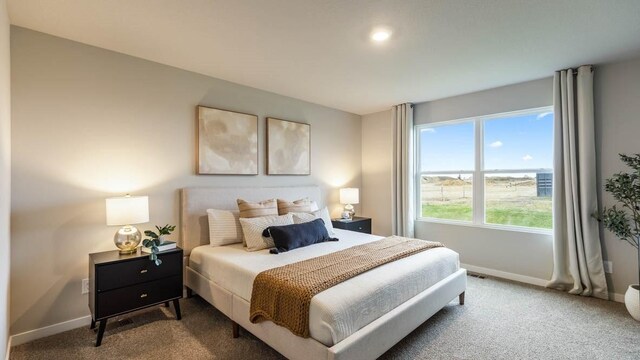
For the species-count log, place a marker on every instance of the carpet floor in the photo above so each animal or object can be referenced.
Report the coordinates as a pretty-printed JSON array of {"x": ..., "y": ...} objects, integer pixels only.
[{"x": 501, "y": 320}]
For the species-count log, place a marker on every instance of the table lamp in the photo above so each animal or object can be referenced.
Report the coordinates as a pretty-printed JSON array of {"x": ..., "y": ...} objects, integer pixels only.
[
  {"x": 125, "y": 211},
  {"x": 348, "y": 197}
]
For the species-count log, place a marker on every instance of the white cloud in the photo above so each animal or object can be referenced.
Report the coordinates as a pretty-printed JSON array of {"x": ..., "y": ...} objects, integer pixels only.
[
  {"x": 496, "y": 144},
  {"x": 429, "y": 130},
  {"x": 541, "y": 115},
  {"x": 527, "y": 157}
]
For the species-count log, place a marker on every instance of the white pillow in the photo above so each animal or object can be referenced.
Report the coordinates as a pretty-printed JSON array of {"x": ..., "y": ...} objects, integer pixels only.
[
  {"x": 299, "y": 218},
  {"x": 224, "y": 227},
  {"x": 253, "y": 228}
]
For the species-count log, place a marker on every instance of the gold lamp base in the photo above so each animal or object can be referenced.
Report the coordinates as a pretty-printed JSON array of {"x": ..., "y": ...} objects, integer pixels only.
[
  {"x": 127, "y": 239},
  {"x": 348, "y": 212}
]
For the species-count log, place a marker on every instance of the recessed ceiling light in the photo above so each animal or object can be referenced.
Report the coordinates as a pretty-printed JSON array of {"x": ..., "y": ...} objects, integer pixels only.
[{"x": 380, "y": 35}]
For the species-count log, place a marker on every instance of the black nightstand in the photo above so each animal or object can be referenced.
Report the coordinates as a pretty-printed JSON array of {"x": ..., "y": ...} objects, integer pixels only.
[
  {"x": 359, "y": 224},
  {"x": 119, "y": 284}
]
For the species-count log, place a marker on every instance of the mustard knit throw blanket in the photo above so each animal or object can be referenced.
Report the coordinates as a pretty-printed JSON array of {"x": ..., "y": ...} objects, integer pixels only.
[{"x": 283, "y": 295}]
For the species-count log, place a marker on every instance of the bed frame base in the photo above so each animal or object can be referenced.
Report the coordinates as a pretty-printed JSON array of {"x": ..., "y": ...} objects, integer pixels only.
[
  {"x": 235, "y": 330},
  {"x": 369, "y": 342}
]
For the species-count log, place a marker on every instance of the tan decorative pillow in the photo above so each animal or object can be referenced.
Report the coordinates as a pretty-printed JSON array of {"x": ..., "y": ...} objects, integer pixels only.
[
  {"x": 253, "y": 228},
  {"x": 302, "y": 205},
  {"x": 224, "y": 227},
  {"x": 262, "y": 208},
  {"x": 299, "y": 218}
]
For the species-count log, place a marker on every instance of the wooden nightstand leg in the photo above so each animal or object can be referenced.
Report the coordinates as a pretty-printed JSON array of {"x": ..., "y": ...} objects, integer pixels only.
[
  {"x": 176, "y": 305},
  {"x": 461, "y": 298},
  {"x": 235, "y": 330},
  {"x": 103, "y": 325},
  {"x": 93, "y": 324}
]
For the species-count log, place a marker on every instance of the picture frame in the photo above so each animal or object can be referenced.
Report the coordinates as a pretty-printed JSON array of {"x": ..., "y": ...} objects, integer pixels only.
[
  {"x": 227, "y": 142},
  {"x": 288, "y": 147}
]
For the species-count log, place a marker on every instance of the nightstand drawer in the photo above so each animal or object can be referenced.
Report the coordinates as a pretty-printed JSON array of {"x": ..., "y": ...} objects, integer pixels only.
[
  {"x": 362, "y": 226},
  {"x": 122, "y": 300},
  {"x": 140, "y": 270},
  {"x": 358, "y": 224}
]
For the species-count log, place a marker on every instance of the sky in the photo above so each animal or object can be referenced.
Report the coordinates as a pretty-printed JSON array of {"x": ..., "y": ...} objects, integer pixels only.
[{"x": 510, "y": 143}]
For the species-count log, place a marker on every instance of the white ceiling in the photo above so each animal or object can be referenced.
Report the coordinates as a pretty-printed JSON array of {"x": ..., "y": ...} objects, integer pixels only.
[{"x": 319, "y": 50}]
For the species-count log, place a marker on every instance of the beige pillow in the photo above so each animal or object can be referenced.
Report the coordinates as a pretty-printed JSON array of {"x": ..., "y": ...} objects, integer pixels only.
[
  {"x": 302, "y": 205},
  {"x": 224, "y": 227},
  {"x": 299, "y": 218},
  {"x": 253, "y": 228},
  {"x": 262, "y": 208}
]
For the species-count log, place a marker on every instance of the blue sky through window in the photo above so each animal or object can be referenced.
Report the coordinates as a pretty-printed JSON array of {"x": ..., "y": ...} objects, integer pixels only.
[
  {"x": 447, "y": 147},
  {"x": 510, "y": 143}
]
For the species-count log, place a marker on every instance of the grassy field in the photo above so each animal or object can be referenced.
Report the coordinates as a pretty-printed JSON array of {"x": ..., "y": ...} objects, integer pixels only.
[{"x": 509, "y": 201}]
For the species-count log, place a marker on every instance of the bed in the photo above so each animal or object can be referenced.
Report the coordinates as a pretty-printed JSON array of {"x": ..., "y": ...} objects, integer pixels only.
[{"x": 360, "y": 318}]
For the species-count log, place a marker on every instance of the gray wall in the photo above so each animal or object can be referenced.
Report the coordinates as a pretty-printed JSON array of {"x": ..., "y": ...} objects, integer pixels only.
[
  {"x": 377, "y": 163},
  {"x": 617, "y": 90},
  {"x": 5, "y": 175},
  {"x": 90, "y": 123},
  {"x": 617, "y": 112},
  {"x": 527, "y": 254}
]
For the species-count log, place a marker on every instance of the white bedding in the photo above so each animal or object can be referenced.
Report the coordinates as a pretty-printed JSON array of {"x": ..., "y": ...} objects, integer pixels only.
[{"x": 345, "y": 308}]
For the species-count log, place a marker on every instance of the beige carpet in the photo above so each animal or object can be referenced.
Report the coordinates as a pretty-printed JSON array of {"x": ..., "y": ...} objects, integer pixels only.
[{"x": 501, "y": 320}]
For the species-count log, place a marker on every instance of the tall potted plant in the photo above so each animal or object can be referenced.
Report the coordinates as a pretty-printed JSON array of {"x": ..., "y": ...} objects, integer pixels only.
[{"x": 624, "y": 221}]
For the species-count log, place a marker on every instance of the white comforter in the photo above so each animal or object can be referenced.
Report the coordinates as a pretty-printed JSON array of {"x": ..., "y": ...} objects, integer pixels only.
[{"x": 345, "y": 308}]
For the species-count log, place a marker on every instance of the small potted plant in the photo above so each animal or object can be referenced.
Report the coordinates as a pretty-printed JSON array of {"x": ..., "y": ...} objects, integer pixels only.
[
  {"x": 624, "y": 221},
  {"x": 155, "y": 240}
]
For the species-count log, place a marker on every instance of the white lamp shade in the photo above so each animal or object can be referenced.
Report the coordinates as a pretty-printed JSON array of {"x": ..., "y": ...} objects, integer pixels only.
[
  {"x": 349, "y": 196},
  {"x": 127, "y": 210}
]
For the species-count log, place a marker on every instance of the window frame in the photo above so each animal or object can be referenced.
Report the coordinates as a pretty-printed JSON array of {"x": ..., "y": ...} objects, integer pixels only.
[{"x": 478, "y": 173}]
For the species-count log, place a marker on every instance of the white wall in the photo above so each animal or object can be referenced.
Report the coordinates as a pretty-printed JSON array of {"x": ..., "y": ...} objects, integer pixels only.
[
  {"x": 617, "y": 112},
  {"x": 377, "y": 163},
  {"x": 90, "y": 123},
  {"x": 5, "y": 175}
]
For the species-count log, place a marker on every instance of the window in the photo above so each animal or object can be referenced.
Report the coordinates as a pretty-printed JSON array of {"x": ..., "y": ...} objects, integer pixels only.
[
  {"x": 447, "y": 164},
  {"x": 490, "y": 170}
]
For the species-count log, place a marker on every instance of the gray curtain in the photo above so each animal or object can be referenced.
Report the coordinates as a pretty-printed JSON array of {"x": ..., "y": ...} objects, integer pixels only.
[
  {"x": 403, "y": 170},
  {"x": 577, "y": 255}
]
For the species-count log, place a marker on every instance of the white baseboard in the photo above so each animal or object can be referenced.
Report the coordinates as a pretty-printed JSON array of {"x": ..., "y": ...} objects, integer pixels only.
[
  {"x": 524, "y": 279},
  {"x": 616, "y": 297},
  {"x": 31, "y": 335},
  {"x": 505, "y": 275},
  {"x": 8, "y": 348}
]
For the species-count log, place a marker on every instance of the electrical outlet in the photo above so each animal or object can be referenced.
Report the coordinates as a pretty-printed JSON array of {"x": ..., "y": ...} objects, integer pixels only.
[
  {"x": 608, "y": 267},
  {"x": 85, "y": 286}
]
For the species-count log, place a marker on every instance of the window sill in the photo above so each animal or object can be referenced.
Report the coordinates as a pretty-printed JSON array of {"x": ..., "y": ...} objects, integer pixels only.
[{"x": 517, "y": 229}]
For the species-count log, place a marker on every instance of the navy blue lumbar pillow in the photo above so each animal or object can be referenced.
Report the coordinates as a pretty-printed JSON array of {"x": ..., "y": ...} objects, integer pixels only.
[{"x": 289, "y": 237}]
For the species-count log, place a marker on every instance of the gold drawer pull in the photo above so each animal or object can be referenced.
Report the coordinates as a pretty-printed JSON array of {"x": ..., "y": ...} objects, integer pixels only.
[
  {"x": 143, "y": 271},
  {"x": 143, "y": 296}
]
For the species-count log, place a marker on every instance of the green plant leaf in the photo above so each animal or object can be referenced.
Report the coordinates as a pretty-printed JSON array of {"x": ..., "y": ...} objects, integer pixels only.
[{"x": 624, "y": 221}]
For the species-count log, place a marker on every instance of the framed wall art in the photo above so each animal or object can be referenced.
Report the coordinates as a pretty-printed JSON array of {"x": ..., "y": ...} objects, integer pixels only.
[
  {"x": 288, "y": 147},
  {"x": 227, "y": 142}
]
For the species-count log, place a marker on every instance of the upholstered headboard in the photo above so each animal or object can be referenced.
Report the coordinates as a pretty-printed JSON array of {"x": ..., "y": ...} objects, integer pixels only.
[{"x": 194, "y": 202}]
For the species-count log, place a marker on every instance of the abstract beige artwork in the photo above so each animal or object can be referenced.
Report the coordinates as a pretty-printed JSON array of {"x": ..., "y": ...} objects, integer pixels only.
[
  {"x": 227, "y": 142},
  {"x": 288, "y": 147}
]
